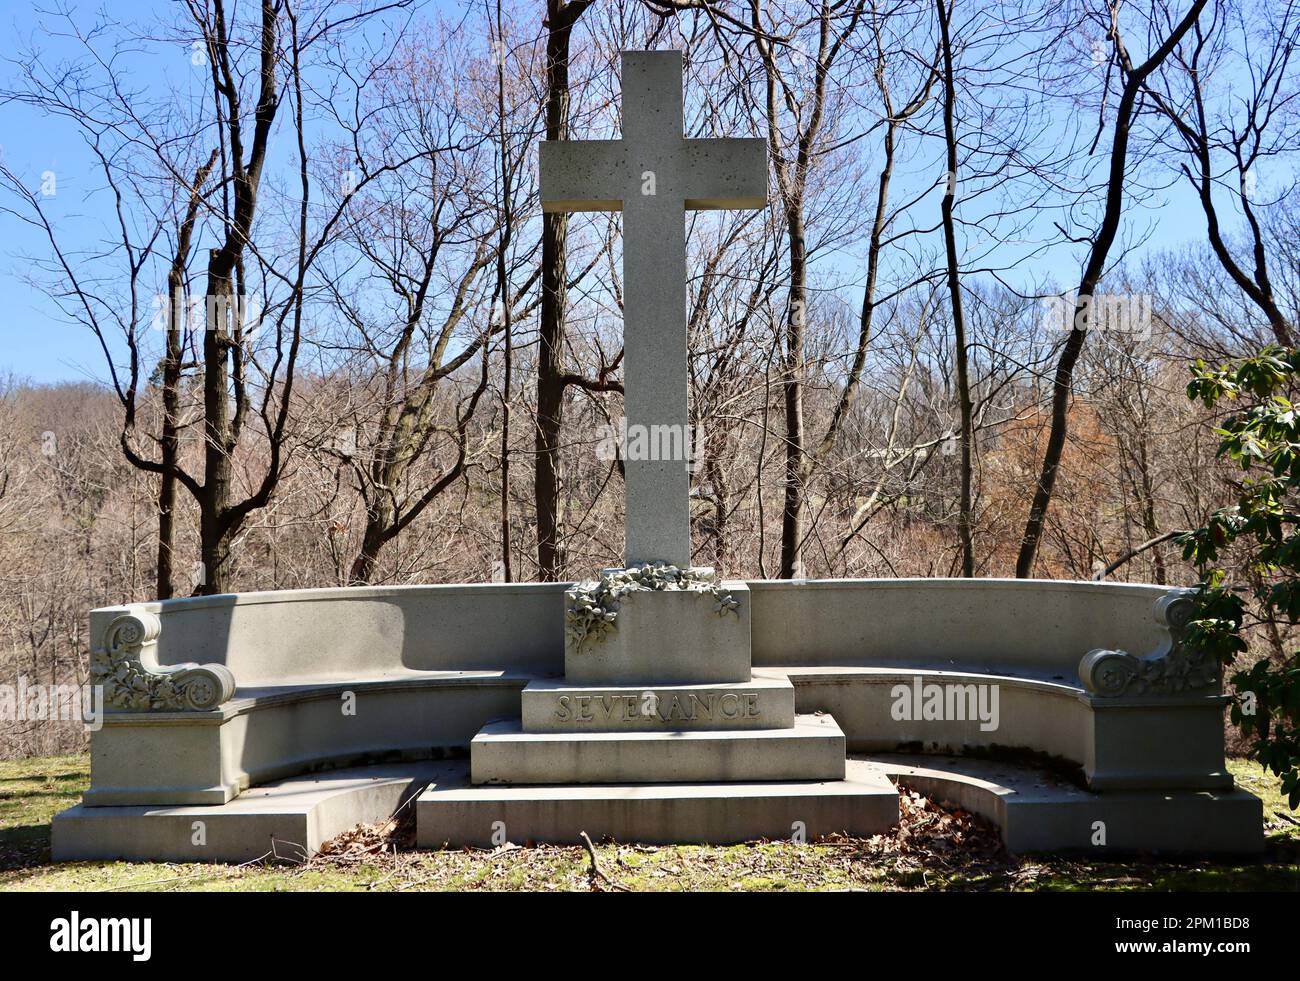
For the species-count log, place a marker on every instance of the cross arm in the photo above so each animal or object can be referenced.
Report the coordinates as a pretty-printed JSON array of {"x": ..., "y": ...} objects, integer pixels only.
[
  {"x": 726, "y": 173},
  {"x": 582, "y": 175}
]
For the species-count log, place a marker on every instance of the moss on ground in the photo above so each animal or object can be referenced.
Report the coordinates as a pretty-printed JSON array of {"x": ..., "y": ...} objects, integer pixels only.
[{"x": 933, "y": 850}]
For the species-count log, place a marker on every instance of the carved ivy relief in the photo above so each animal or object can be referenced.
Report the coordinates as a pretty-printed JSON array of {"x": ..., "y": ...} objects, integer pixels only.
[{"x": 592, "y": 610}]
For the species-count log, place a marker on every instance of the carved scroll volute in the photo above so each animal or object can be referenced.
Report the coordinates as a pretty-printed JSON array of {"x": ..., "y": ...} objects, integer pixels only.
[
  {"x": 126, "y": 666},
  {"x": 1171, "y": 670},
  {"x": 1105, "y": 672}
]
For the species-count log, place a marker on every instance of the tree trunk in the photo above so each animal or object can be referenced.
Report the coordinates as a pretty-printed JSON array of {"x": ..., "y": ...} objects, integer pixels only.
[
  {"x": 214, "y": 502},
  {"x": 503, "y": 296},
  {"x": 964, "y": 534},
  {"x": 550, "y": 358},
  {"x": 1061, "y": 381},
  {"x": 378, "y": 519},
  {"x": 219, "y": 522},
  {"x": 796, "y": 470},
  {"x": 170, "y": 437},
  {"x": 171, "y": 384}
]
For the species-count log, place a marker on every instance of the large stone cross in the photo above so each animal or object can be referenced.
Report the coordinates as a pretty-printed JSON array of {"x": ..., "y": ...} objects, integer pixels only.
[{"x": 653, "y": 175}]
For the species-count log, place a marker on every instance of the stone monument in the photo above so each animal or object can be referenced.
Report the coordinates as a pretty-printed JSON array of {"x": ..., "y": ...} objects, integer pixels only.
[
  {"x": 656, "y": 702},
  {"x": 658, "y": 684}
]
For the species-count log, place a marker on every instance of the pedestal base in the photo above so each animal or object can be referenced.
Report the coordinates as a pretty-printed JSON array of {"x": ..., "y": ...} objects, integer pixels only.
[
  {"x": 693, "y": 813},
  {"x": 812, "y": 749}
]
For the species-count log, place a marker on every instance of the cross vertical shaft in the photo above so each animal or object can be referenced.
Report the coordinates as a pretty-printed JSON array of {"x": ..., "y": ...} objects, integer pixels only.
[{"x": 657, "y": 489}]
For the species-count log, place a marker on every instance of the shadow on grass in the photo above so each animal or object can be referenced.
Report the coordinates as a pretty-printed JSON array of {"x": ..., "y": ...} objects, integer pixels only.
[
  {"x": 44, "y": 776},
  {"x": 24, "y": 847},
  {"x": 1277, "y": 869},
  {"x": 72, "y": 795}
]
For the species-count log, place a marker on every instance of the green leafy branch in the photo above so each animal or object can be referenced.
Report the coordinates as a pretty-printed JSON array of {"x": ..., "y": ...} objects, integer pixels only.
[{"x": 1262, "y": 531}]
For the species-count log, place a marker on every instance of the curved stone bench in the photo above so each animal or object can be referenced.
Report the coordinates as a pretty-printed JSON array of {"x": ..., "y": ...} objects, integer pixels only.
[
  {"x": 1059, "y": 654},
  {"x": 269, "y": 734},
  {"x": 1116, "y": 744},
  {"x": 211, "y": 695}
]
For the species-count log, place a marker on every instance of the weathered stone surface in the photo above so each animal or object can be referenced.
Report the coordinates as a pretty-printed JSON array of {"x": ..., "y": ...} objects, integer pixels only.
[
  {"x": 812, "y": 750},
  {"x": 154, "y": 758},
  {"x": 1022, "y": 628},
  {"x": 1172, "y": 671},
  {"x": 123, "y": 665},
  {"x": 557, "y": 706},
  {"x": 1161, "y": 742},
  {"x": 1034, "y": 812},
  {"x": 669, "y": 637},
  {"x": 384, "y": 644},
  {"x": 455, "y": 814}
]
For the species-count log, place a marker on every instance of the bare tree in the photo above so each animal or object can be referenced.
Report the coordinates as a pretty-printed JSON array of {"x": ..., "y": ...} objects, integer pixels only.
[
  {"x": 552, "y": 378},
  {"x": 960, "y": 351},
  {"x": 1227, "y": 141},
  {"x": 1133, "y": 78},
  {"x": 793, "y": 158}
]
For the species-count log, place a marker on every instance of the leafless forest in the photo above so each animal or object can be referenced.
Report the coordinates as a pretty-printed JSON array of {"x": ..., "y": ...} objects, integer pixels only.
[{"x": 341, "y": 344}]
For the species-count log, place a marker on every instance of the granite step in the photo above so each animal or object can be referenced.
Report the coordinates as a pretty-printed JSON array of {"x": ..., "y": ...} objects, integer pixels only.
[
  {"x": 455, "y": 814},
  {"x": 812, "y": 749}
]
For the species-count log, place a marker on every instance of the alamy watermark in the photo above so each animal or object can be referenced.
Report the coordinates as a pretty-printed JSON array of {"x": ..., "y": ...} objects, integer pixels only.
[
  {"x": 1112, "y": 313},
  {"x": 953, "y": 702},
  {"x": 77, "y": 934},
  {"x": 661, "y": 443},
  {"x": 32, "y": 702},
  {"x": 189, "y": 311}
]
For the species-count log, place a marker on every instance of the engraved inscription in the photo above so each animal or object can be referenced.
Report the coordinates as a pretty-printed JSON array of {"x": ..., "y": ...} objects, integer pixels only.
[{"x": 667, "y": 708}]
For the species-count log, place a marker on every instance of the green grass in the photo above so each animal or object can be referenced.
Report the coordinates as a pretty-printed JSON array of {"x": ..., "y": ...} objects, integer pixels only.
[{"x": 941, "y": 851}]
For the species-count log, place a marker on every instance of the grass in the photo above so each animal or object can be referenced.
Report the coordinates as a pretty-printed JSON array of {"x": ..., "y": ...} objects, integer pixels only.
[{"x": 932, "y": 850}]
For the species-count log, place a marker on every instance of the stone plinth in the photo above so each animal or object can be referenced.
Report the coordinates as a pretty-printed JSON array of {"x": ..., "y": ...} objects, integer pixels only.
[
  {"x": 291, "y": 818},
  {"x": 557, "y": 706},
  {"x": 668, "y": 637}
]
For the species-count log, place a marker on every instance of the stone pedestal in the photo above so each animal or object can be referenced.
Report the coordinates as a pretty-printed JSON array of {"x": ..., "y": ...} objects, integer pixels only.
[
  {"x": 673, "y": 637},
  {"x": 453, "y": 814},
  {"x": 658, "y": 732}
]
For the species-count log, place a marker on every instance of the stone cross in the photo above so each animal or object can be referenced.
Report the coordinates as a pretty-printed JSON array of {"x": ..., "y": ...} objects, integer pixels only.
[{"x": 653, "y": 175}]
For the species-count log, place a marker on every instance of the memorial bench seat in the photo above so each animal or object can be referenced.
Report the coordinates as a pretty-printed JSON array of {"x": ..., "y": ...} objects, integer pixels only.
[
  {"x": 270, "y": 732},
  {"x": 265, "y": 696},
  {"x": 266, "y": 733},
  {"x": 213, "y": 695},
  {"x": 1116, "y": 744}
]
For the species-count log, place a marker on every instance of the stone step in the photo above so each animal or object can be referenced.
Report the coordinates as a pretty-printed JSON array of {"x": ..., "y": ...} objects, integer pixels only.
[
  {"x": 813, "y": 749},
  {"x": 560, "y": 706},
  {"x": 289, "y": 818},
  {"x": 456, "y": 814}
]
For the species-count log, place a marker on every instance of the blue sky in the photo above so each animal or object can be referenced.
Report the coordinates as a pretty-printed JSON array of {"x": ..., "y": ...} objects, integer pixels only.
[{"x": 36, "y": 344}]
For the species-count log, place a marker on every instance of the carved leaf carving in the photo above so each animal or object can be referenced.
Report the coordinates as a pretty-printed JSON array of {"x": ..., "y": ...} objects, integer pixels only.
[{"x": 131, "y": 685}]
